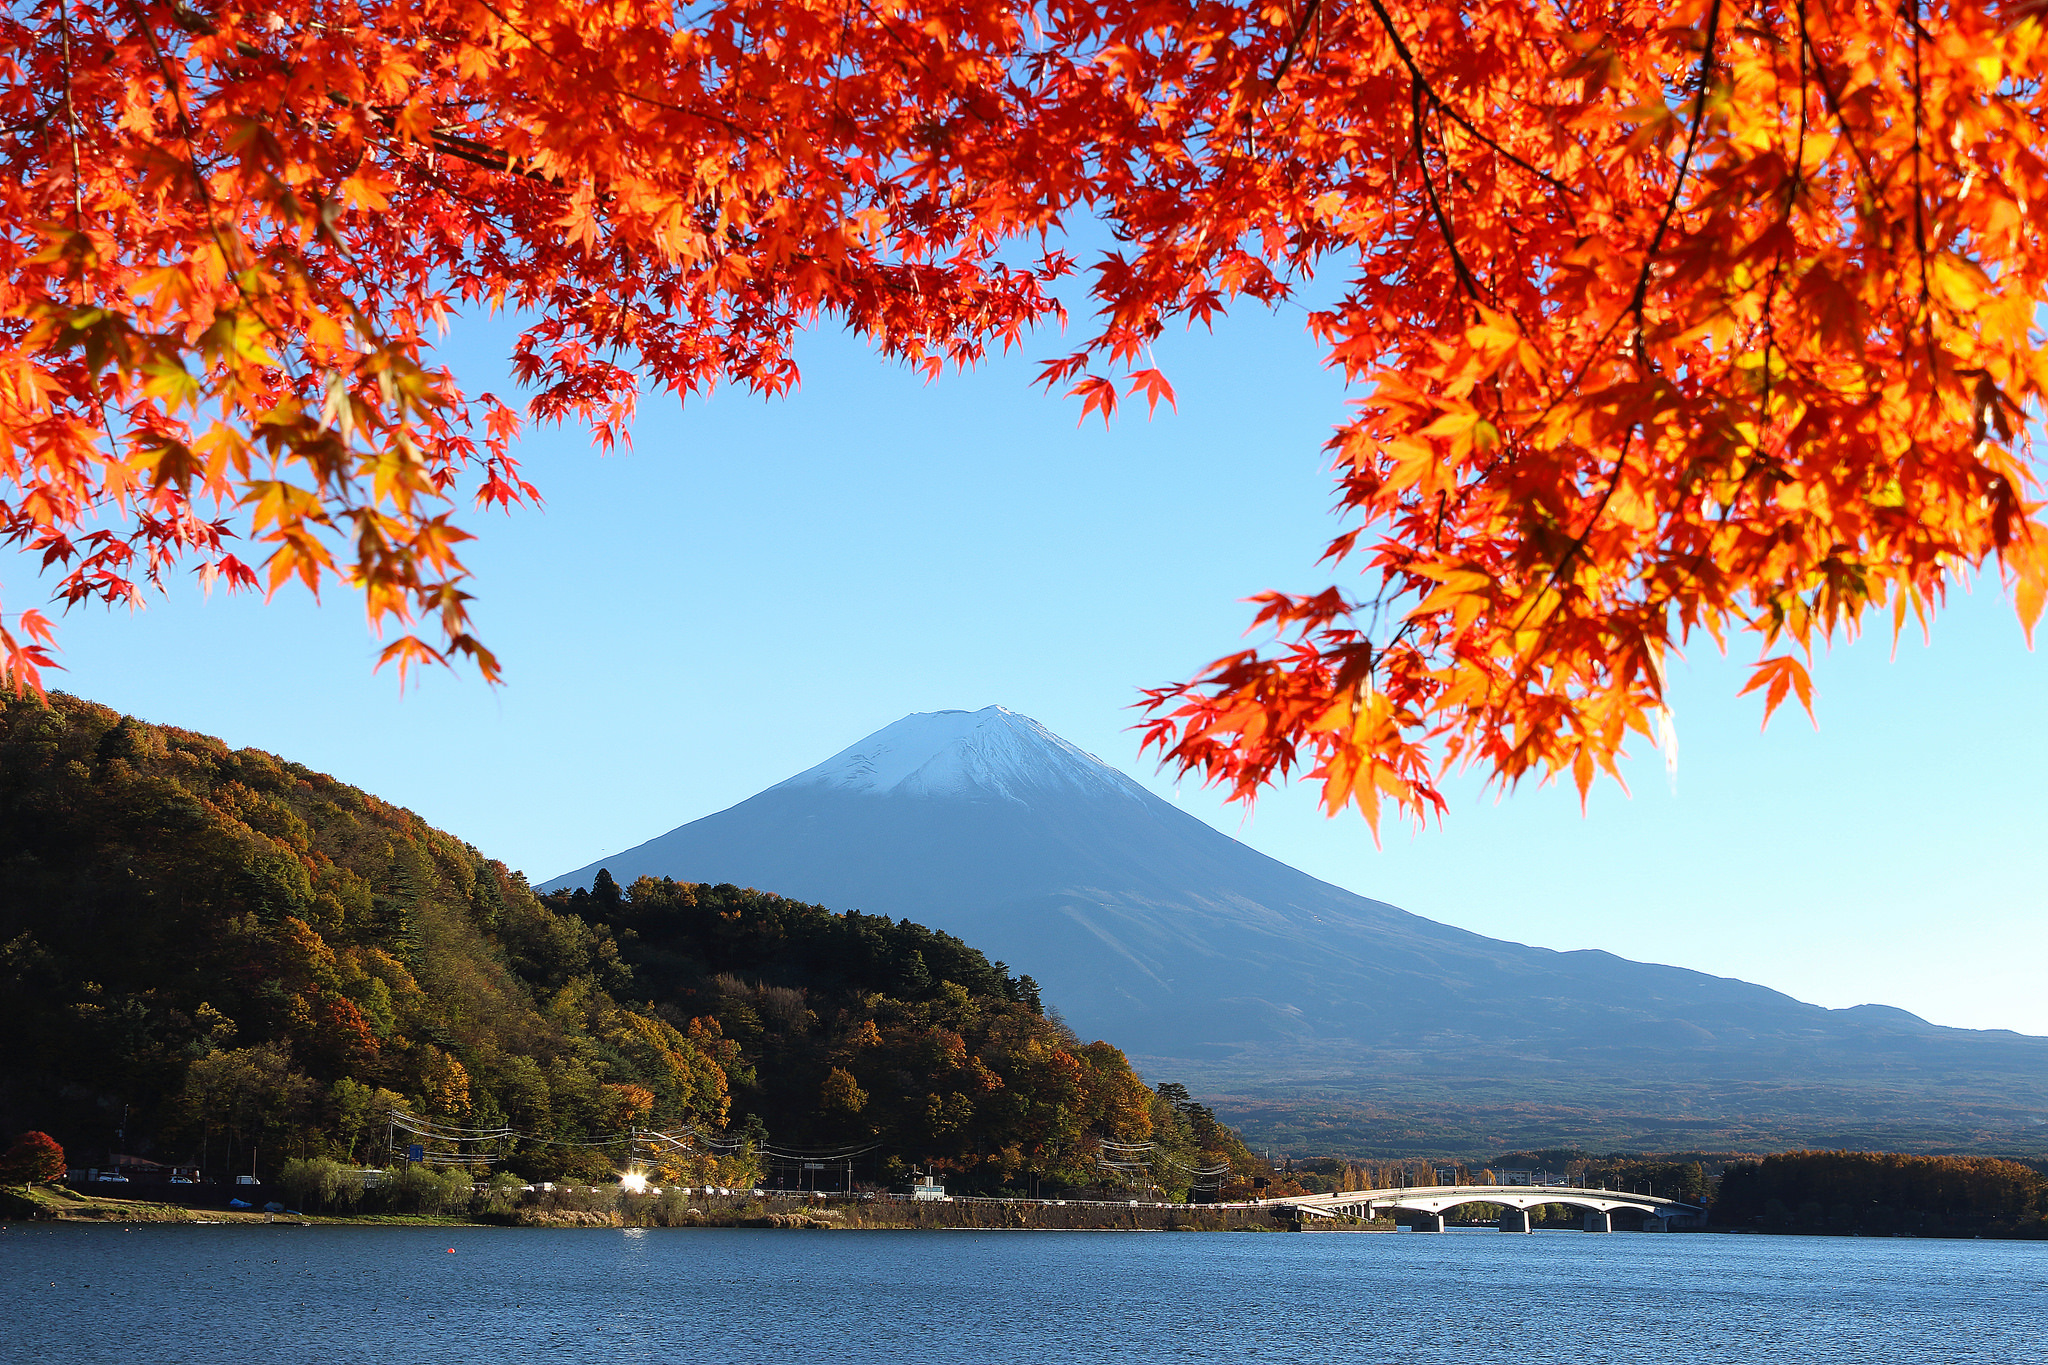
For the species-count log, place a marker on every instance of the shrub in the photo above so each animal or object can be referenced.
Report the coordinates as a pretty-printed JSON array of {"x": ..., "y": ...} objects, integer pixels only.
[
  {"x": 505, "y": 1192},
  {"x": 584, "y": 1198},
  {"x": 318, "y": 1182},
  {"x": 671, "y": 1209}
]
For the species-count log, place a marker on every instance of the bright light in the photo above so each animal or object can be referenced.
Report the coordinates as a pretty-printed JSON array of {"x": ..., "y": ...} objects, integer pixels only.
[{"x": 633, "y": 1182}]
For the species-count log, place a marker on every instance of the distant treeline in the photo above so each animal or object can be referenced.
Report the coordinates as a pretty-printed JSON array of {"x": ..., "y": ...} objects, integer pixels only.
[
  {"x": 217, "y": 955},
  {"x": 1883, "y": 1192}
]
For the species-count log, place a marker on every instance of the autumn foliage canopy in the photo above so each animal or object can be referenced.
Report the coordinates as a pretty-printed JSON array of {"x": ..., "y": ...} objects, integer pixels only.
[
  {"x": 34, "y": 1157},
  {"x": 1702, "y": 315}
]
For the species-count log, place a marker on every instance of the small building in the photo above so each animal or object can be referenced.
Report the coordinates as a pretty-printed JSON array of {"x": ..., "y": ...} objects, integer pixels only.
[{"x": 924, "y": 1187}]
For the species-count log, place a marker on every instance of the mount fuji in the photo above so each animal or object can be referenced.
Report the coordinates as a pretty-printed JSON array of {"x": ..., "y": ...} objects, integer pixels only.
[{"x": 1313, "y": 1010}]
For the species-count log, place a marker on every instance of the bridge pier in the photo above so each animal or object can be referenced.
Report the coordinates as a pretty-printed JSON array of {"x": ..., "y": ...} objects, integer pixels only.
[
  {"x": 1598, "y": 1220},
  {"x": 1514, "y": 1220},
  {"x": 1427, "y": 1222}
]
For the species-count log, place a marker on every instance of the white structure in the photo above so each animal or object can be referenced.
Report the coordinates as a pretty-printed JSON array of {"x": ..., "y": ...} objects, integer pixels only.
[
  {"x": 927, "y": 1187},
  {"x": 1429, "y": 1203}
]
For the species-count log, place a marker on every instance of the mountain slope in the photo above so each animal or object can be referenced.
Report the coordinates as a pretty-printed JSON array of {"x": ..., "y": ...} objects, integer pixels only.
[{"x": 1211, "y": 961}]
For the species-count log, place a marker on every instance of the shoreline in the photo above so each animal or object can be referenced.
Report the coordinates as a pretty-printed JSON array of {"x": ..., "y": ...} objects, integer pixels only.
[
  {"x": 40, "y": 1205},
  {"x": 62, "y": 1205}
]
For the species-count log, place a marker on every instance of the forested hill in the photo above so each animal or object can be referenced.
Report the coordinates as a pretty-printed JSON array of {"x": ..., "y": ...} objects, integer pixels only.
[
  {"x": 1323, "y": 1020},
  {"x": 251, "y": 961}
]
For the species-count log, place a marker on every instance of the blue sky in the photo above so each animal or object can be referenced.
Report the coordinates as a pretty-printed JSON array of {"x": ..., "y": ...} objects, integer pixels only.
[{"x": 759, "y": 584}]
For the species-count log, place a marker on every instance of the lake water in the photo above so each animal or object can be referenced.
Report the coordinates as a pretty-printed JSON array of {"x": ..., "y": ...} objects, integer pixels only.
[{"x": 240, "y": 1294}]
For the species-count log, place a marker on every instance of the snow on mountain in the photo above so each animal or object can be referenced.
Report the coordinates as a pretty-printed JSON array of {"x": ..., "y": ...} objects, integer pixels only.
[{"x": 993, "y": 752}]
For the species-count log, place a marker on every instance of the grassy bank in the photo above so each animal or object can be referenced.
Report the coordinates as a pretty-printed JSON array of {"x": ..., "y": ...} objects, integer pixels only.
[
  {"x": 47, "y": 1203},
  {"x": 603, "y": 1207}
]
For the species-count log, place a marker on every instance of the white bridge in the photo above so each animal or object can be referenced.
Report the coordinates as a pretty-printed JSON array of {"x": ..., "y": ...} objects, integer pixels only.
[{"x": 1425, "y": 1205}]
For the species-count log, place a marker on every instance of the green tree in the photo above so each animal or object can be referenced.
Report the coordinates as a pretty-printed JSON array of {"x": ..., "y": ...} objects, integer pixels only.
[
  {"x": 424, "y": 1190},
  {"x": 360, "y": 1110}
]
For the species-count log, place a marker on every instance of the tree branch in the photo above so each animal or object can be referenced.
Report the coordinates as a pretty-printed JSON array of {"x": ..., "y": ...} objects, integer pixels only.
[
  {"x": 1422, "y": 82},
  {"x": 1443, "y": 221}
]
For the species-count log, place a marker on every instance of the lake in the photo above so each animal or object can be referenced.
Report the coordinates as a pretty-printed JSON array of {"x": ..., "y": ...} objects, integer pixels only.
[{"x": 167, "y": 1295}]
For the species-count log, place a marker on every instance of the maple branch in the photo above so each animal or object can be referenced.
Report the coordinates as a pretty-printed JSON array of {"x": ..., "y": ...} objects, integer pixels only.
[
  {"x": 1443, "y": 221},
  {"x": 1834, "y": 100},
  {"x": 71, "y": 131},
  {"x": 455, "y": 145},
  {"x": 1640, "y": 293},
  {"x": 1637, "y": 302},
  {"x": 1920, "y": 190},
  {"x": 1311, "y": 15},
  {"x": 1793, "y": 186},
  {"x": 213, "y": 227},
  {"x": 81, "y": 287},
  {"x": 729, "y": 125},
  {"x": 482, "y": 154},
  {"x": 1415, "y": 74},
  {"x": 1699, "y": 116},
  {"x": 177, "y": 93}
]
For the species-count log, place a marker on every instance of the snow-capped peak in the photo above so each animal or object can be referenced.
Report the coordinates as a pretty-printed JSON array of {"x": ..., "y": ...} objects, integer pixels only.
[{"x": 993, "y": 752}]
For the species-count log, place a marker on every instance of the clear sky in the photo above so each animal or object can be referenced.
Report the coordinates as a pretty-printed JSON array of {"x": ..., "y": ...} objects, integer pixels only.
[{"x": 759, "y": 584}]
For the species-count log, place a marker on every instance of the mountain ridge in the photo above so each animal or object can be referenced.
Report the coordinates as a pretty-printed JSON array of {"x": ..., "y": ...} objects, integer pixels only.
[{"x": 1213, "y": 962}]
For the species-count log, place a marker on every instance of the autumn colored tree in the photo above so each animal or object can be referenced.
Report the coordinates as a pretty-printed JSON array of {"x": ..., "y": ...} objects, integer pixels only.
[
  {"x": 33, "y": 1157},
  {"x": 841, "y": 1093},
  {"x": 1709, "y": 316}
]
